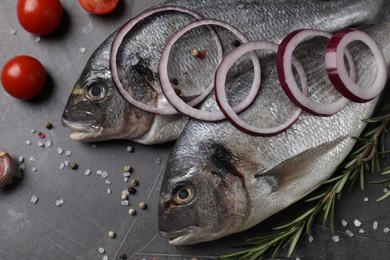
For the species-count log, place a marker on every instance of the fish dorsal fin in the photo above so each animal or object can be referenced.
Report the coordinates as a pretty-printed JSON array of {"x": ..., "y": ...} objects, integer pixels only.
[{"x": 296, "y": 166}]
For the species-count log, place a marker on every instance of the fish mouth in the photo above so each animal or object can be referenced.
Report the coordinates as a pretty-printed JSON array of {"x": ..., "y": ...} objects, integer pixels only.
[
  {"x": 181, "y": 237},
  {"x": 84, "y": 132}
]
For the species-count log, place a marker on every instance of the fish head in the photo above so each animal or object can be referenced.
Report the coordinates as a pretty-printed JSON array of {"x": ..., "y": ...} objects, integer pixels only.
[
  {"x": 202, "y": 198},
  {"x": 96, "y": 111}
]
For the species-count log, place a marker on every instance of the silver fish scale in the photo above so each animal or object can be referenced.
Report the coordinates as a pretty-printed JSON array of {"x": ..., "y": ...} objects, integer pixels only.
[{"x": 254, "y": 154}]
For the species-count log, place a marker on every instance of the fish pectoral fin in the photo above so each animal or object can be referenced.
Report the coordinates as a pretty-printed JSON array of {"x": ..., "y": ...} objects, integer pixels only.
[{"x": 296, "y": 166}]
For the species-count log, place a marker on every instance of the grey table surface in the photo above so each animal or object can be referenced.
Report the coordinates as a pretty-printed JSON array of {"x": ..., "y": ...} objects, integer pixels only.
[{"x": 76, "y": 229}]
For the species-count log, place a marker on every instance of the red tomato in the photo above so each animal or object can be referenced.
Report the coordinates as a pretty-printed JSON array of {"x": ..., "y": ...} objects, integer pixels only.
[
  {"x": 23, "y": 77},
  {"x": 98, "y": 6},
  {"x": 39, "y": 16}
]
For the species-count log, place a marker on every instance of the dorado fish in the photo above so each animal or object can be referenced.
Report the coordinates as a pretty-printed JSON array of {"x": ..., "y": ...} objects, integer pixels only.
[
  {"x": 95, "y": 110},
  {"x": 219, "y": 180}
]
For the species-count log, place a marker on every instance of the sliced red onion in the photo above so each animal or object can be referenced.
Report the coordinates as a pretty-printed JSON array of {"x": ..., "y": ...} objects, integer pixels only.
[
  {"x": 286, "y": 76},
  {"x": 169, "y": 110},
  {"x": 220, "y": 93},
  {"x": 185, "y": 108},
  {"x": 338, "y": 74}
]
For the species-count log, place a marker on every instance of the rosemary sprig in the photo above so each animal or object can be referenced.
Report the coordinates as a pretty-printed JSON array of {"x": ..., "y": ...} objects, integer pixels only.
[{"x": 364, "y": 158}]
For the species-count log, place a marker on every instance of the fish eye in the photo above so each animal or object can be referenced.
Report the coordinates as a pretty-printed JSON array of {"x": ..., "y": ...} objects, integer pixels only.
[
  {"x": 183, "y": 195},
  {"x": 96, "y": 92}
]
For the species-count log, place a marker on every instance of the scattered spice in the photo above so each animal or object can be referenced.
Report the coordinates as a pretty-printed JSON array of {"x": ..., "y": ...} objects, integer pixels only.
[
  {"x": 236, "y": 43},
  {"x": 130, "y": 149},
  {"x": 128, "y": 168},
  {"x": 111, "y": 234},
  {"x": 175, "y": 81},
  {"x": 122, "y": 256},
  {"x": 143, "y": 205},
  {"x": 134, "y": 182},
  {"x": 132, "y": 212},
  {"x": 132, "y": 190},
  {"x": 195, "y": 52},
  {"x": 73, "y": 165},
  {"x": 124, "y": 197},
  {"x": 41, "y": 135},
  {"x": 48, "y": 125}
]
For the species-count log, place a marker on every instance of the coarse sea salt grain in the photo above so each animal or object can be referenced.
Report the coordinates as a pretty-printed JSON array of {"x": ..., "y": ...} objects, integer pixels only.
[
  {"x": 101, "y": 250},
  {"x": 33, "y": 131},
  {"x": 385, "y": 190},
  {"x": 37, "y": 39},
  {"x": 126, "y": 174},
  {"x": 33, "y": 159},
  {"x": 34, "y": 199},
  {"x": 34, "y": 169},
  {"x": 40, "y": 144},
  {"x": 59, "y": 202},
  {"x": 104, "y": 174},
  {"x": 109, "y": 191},
  {"x": 87, "y": 172},
  {"x": 357, "y": 223},
  {"x": 22, "y": 166},
  {"x": 311, "y": 238},
  {"x": 365, "y": 199},
  {"x": 386, "y": 230},
  {"x": 48, "y": 144},
  {"x": 344, "y": 223},
  {"x": 28, "y": 142},
  {"x": 21, "y": 159},
  {"x": 60, "y": 150},
  {"x": 125, "y": 203},
  {"x": 12, "y": 31},
  {"x": 82, "y": 50},
  {"x": 105, "y": 257},
  {"x": 66, "y": 163},
  {"x": 68, "y": 153},
  {"x": 108, "y": 182},
  {"x": 336, "y": 239},
  {"x": 375, "y": 225},
  {"x": 349, "y": 233},
  {"x": 361, "y": 231},
  {"x": 125, "y": 192},
  {"x": 62, "y": 165},
  {"x": 98, "y": 172},
  {"x": 126, "y": 179}
]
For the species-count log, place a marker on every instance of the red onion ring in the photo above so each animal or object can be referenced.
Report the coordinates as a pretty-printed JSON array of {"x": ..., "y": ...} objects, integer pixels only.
[
  {"x": 183, "y": 107},
  {"x": 337, "y": 72},
  {"x": 221, "y": 94},
  {"x": 287, "y": 80},
  {"x": 117, "y": 43}
]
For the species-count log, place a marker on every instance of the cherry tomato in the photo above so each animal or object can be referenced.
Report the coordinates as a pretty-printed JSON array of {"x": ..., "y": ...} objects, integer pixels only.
[
  {"x": 39, "y": 16},
  {"x": 98, "y": 6},
  {"x": 23, "y": 77}
]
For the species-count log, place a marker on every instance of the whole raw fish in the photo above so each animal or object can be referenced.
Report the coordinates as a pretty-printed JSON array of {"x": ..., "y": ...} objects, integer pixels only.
[
  {"x": 220, "y": 181},
  {"x": 95, "y": 111}
]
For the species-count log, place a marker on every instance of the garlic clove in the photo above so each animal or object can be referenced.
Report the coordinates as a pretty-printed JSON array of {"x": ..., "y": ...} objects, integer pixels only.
[{"x": 8, "y": 169}]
